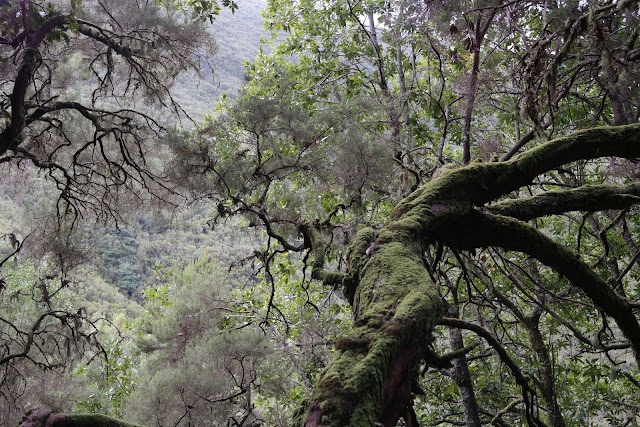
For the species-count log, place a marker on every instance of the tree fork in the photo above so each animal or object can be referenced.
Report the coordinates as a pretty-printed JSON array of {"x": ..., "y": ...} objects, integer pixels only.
[
  {"x": 511, "y": 234},
  {"x": 396, "y": 305}
]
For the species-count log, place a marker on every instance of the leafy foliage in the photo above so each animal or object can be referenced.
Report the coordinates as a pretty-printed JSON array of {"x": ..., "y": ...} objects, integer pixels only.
[{"x": 197, "y": 369}]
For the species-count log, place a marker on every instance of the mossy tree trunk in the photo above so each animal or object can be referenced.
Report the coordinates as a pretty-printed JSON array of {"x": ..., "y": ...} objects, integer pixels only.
[{"x": 395, "y": 303}]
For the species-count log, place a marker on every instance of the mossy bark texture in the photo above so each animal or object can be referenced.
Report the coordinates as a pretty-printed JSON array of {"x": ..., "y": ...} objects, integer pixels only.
[{"x": 396, "y": 305}]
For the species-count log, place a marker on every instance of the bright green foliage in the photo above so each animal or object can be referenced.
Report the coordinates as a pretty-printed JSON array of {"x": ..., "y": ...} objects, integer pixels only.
[
  {"x": 303, "y": 319},
  {"x": 112, "y": 384}
]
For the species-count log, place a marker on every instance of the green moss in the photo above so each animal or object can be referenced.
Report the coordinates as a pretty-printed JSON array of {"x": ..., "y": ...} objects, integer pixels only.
[
  {"x": 587, "y": 197},
  {"x": 352, "y": 343},
  {"x": 395, "y": 304},
  {"x": 357, "y": 250},
  {"x": 356, "y": 257},
  {"x": 298, "y": 416},
  {"x": 43, "y": 417},
  {"x": 395, "y": 307}
]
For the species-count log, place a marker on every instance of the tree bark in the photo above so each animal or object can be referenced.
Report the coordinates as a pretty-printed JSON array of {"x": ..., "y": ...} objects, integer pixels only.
[
  {"x": 472, "y": 90},
  {"x": 468, "y": 111},
  {"x": 395, "y": 309},
  {"x": 462, "y": 378},
  {"x": 11, "y": 136},
  {"x": 547, "y": 384}
]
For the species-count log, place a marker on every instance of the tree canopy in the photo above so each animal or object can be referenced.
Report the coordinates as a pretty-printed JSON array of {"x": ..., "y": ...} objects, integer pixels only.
[
  {"x": 461, "y": 177},
  {"x": 94, "y": 148}
]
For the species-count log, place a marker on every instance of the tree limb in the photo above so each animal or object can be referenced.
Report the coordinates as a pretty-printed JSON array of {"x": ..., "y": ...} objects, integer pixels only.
[
  {"x": 42, "y": 417},
  {"x": 11, "y": 135},
  {"x": 511, "y": 234},
  {"x": 588, "y": 198}
]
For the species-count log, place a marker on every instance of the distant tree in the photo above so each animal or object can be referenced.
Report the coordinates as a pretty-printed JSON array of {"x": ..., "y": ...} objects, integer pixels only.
[
  {"x": 76, "y": 82},
  {"x": 200, "y": 367}
]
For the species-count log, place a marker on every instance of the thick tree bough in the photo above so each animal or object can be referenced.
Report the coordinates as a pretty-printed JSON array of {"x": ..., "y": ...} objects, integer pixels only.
[
  {"x": 395, "y": 303},
  {"x": 373, "y": 365},
  {"x": 589, "y": 198},
  {"x": 511, "y": 234},
  {"x": 45, "y": 418}
]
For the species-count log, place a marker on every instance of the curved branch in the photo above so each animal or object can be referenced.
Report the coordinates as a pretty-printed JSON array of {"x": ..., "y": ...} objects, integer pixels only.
[
  {"x": 444, "y": 360},
  {"x": 521, "y": 380},
  {"x": 511, "y": 234},
  {"x": 11, "y": 135},
  {"x": 621, "y": 141},
  {"x": 453, "y": 194},
  {"x": 27, "y": 346},
  {"x": 17, "y": 249},
  {"x": 314, "y": 241},
  {"x": 269, "y": 227},
  {"x": 41, "y": 417},
  {"x": 105, "y": 37},
  {"x": 524, "y": 141},
  {"x": 588, "y": 198},
  {"x": 35, "y": 38}
]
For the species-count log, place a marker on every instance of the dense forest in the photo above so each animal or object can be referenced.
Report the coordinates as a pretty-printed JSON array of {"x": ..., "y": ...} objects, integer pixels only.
[{"x": 319, "y": 213}]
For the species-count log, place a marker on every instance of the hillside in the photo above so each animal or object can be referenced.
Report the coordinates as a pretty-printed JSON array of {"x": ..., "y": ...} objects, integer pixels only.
[{"x": 238, "y": 40}]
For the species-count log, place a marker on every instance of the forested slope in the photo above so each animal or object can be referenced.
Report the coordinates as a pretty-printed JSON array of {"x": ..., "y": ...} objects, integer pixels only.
[
  {"x": 112, "y": 262},
  {"x": 237, "y": 35}
]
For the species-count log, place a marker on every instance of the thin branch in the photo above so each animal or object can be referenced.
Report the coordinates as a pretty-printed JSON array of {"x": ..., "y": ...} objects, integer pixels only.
[{"x": 519, "y": 377}]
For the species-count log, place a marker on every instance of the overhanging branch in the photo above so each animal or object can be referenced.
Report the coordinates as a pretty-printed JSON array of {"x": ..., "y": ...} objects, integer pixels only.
[
  {"x": 588, "y": 198},
  {"x": 511, "y": 234},
  {"x": 480, "y": 183},
  {"x": 521, "y": 380}
]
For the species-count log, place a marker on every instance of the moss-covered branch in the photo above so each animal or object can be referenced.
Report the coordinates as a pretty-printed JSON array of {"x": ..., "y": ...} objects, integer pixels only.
[
  {"x": 480, "y": 183},
  {"x": 445, "y": 359},
  {"x": 485, "y": 229},
  {"x": 396, "y": 305},
  {"x": 395, "y": 309},
  {"x": 44, "y": 417},
  {"x": 588, "y": 198}
]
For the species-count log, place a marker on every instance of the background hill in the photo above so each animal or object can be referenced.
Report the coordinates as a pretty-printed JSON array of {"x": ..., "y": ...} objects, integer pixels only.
[
  {"x": 238, "y": 38},
  {"x": 127, "y": 256}
]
